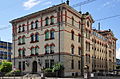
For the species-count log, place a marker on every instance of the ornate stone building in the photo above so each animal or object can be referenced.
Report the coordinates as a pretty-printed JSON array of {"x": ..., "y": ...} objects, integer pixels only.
[{"x": 62, "y": 34}]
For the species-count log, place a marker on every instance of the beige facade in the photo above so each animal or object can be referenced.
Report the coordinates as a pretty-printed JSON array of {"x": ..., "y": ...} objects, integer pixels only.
[{"x": 61, "y": 34}]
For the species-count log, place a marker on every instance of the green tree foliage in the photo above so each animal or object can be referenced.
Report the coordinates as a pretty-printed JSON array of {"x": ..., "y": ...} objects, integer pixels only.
[
  {"x": 56, "y": 67},
  {"x": 118, "y": 67},
  {"x": 6, "y": 66}
]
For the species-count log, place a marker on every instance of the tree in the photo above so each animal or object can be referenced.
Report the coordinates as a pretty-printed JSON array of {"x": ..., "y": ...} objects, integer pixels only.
[{"x": 6, "y": 66}]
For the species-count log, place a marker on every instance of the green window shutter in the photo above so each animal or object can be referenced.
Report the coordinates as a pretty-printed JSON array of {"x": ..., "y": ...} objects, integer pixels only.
[
  {"x": 23, "y": 40},
  {"x": 36, "y": 50},
  {"x": 52, "y": 49},
  {"x": 19, "y": 40},
  {"x": 46, "y": 21},
  {"x": 47, "y": 35},
  {"x": 32, "y": 51},
  {"x": 52, "y": 20}
]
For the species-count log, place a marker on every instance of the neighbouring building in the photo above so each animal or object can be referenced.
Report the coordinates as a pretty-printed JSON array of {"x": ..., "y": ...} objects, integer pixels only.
[
  {"x": 62, "y": 34},
  {"x": 5, "y": 51}
]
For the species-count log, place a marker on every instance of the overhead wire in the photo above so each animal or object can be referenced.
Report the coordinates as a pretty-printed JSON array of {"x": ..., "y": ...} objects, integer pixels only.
[{"x": 108, "y": 17}]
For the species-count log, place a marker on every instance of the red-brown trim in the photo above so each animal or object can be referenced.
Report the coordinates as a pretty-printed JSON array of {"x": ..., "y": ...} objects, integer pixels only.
[
  {"x": 46, "y": 45},
  {"x": 52, "y": 44}
]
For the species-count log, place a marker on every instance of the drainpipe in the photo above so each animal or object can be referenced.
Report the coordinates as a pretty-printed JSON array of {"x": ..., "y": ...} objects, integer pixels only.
[
  {"x": 82, "y": 47},
  {"x": 59, "y": 30}
]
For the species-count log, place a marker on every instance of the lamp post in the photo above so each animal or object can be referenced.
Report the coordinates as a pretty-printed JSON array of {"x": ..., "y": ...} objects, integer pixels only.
[{"x": 86, "y": 74}]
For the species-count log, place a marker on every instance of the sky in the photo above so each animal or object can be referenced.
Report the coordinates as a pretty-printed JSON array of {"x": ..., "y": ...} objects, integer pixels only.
[{"x": 98, "y": 9}]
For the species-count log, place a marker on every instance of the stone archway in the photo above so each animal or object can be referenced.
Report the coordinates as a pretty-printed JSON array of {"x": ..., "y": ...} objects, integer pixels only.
[{"x": 34, "y": 66}]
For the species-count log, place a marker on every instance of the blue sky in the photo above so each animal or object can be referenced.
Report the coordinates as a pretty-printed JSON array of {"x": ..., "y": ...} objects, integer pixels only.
[{"x": 98, "y": 9}]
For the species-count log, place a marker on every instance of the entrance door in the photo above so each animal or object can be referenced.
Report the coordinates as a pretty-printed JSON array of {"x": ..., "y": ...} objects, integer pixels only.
[{"x": 34, "y": 66}]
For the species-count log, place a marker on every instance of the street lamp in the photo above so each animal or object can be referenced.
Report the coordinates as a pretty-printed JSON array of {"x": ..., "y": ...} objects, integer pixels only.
[{"x": 86, "y": 75}]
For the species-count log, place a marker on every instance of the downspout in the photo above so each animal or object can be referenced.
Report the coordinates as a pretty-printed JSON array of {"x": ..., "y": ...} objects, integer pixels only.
[{"x": 82, "y": 47}]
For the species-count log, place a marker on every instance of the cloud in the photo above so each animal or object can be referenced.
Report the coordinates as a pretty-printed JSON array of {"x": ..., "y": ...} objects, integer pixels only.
[
  {"x": 106, "y": 4},
  {"x": 118, "y": 53},
  {"x": 47, "y": 3},
  {"x": 31, "y": 3}
]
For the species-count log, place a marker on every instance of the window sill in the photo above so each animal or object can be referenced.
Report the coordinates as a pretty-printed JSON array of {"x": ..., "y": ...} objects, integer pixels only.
[
  {"x": 34, "y": 41},
  {"x": 51, "y": 23},
  {"x": 21, "y": 43}
]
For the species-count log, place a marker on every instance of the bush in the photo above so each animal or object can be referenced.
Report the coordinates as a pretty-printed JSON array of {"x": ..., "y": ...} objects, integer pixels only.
[
  {"x": 48, "y": 70},
  {"x": 16, "y": 72}
]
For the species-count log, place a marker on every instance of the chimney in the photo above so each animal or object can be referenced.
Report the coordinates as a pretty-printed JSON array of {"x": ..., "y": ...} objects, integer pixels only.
[
  {"x": 67, "y": 2},
  {"x": 99, "y": 26}
]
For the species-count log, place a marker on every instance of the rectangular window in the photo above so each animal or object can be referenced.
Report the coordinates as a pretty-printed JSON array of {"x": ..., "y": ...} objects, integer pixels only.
[
  {"x": 51, "y": 63},
  {"x": 87, "y": 46},
  {"x": 19, "y": 66},
  {"x": 78, "y": 64},
  {"x": 79, "y": 39},
  {"x": 23, "y": 65},
  {"x": 46, "y": 63},
  {"x": 72, "y": 64}
]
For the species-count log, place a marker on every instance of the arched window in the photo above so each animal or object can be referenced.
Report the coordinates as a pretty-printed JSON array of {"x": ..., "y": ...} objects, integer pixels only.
[
  {"x": 72, "y": 35},
  {"x": 47, "y": 35},
  {"x": 36, "y": 24},
  {"x": 19, "y": 40},
  {"x": 32, "y": 38},
  {"x": 37, "y": 37},
  {"x": 72, "y": 21},
  {"x": 32, "y": 25},
  {"x": 23, "y": 40},
  {"x": 52, "y": 20},
  {"x": 52, "y": 46},
  {"x": 23, "y": 27},
  {"x": 36, "y": 50},
  {"x": 19, "y": 52},
  {"x": 23, "y": 52},
  {"x": 72, "y": 49},
  {"x": 19, "y": 29},
  {"x": 52, "y": 34},
  {"x": 79, "y": 50},
  {"x": 47, "y": 49},
  {"x": 46, "y": 21},
  {"x": 32, "y": 51}
]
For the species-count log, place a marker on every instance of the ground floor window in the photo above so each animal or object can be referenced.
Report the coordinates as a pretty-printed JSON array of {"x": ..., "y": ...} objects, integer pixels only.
[{"x": 19, "y": 66}]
